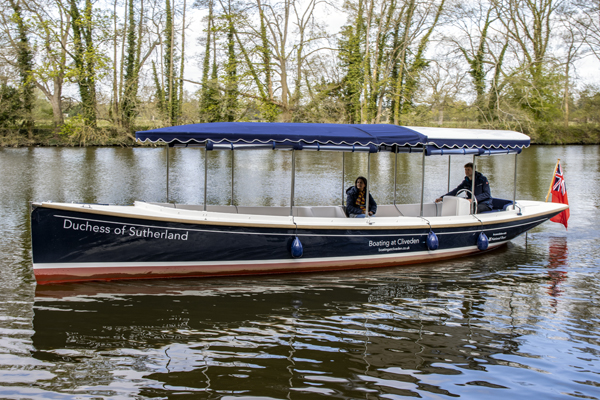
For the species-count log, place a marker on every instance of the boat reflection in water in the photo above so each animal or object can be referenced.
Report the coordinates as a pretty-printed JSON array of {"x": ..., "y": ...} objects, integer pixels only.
[{"x": 335, "y": 335}]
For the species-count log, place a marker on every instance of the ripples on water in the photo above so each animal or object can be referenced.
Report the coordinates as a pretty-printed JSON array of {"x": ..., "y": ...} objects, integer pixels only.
[{"x": 521, "y": 321}]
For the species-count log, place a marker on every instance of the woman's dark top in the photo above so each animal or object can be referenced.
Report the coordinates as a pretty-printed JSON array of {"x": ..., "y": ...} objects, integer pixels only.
[{"x": 353, "y": 204}]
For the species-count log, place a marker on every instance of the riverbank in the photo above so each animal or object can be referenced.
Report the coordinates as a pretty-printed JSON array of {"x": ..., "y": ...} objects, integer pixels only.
[{"x": 42, "y": 137}]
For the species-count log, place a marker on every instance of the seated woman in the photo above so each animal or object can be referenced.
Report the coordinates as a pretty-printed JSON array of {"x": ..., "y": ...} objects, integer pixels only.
[{"x": 356, "y": 203}]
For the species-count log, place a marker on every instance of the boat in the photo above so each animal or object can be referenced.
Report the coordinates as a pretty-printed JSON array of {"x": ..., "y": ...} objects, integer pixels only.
[{"x": 81, "y": 242}]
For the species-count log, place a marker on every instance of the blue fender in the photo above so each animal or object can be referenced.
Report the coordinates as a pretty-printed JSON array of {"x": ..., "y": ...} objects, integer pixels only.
[
  {"x": 432, "y": 241},
  {"x": 482, "y": 241},
  {"x": 297, "y": 249}
]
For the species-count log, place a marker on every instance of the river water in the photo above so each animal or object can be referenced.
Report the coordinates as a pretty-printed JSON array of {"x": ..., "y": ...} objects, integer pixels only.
[{"x": 522, "y": 321}]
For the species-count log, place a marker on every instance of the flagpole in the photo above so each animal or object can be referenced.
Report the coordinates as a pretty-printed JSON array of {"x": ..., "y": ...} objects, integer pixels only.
[{"x": 552, "y": 181}]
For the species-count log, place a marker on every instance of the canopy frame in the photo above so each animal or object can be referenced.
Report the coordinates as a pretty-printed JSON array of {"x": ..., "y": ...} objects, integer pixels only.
[{"x": 363, "y": 138}]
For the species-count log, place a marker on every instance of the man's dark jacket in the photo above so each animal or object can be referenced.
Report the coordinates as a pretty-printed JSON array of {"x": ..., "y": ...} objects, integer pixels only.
[{"x": 482, "y": 189}]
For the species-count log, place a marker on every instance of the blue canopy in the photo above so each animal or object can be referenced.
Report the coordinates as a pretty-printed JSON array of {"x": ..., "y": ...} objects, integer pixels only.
[
  {"x": 291, "y": 133},
  {"x": 373, "y": 137}
]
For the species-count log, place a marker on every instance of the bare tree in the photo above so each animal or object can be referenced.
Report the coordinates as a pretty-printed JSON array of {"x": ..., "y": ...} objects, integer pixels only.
[
  {"x": 587, "y": 20},
  {"x": 418, "y": 20},
  {"x": 287, "y": 34},
  {"x": 53, "y": 32},
  {"x": 474, "y": 24},
  {"x": 443, "y": 81},
  {"x": 573, "y": 44},
  {"x": 529, "y": 26}
]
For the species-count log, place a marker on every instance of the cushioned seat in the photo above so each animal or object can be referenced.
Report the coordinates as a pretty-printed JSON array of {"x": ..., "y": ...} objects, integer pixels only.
[{"x": 500, "y": 205}]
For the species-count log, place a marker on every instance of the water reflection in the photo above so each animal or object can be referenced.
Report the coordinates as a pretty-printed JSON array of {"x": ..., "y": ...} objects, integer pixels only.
[
  {"x": 343, "y": 338},
  {"x": 433, "y": 329},
  {"x": 558, "y": 257}
]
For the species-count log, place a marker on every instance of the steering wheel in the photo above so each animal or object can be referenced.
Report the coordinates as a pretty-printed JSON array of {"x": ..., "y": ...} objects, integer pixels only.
[{"x": 473, "y": 210}]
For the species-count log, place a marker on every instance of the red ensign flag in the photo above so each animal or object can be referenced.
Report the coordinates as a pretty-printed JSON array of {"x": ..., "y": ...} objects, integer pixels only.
[{"x": 559, "y": 195}]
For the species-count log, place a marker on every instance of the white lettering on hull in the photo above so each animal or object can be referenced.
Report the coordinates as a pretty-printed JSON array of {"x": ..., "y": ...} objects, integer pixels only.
[
  {"x": 384, "y": 245},
  {"x": 125, "y": 230},
  {"x": 497, "y": 236}
]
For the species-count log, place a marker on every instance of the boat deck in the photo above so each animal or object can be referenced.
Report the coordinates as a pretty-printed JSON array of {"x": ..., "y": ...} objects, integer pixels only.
[{"x": 451, "y": 206}]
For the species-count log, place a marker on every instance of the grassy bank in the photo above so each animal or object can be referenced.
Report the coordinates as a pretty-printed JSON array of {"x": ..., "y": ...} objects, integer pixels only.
[
  {"x": 49, "y": 138},
  {"x": 573, "y": 134}
]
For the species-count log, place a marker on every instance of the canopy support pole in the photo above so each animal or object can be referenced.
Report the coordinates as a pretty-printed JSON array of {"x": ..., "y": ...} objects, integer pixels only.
[
  {"x": 167, "y": 173},
  {"x": 367, "y": 185},
  {"x": 449, "y": 164},
  {"x": 232, "y": 171},
  {"x": 473, "y": 211},
  {"x": 395, "y": 172},
  {"x": 423, "y": 178},
  {"x": 293, "y": 182},
  {"x": 205, "y": 174},
  {"x": 343, "y": 174},
  {"x": 515, "y": 184}
]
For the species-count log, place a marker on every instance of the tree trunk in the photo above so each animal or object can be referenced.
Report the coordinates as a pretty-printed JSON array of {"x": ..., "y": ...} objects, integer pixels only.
[
  {"x": 231, "y": 70},
  {"x": 399, "y": 84},
  {"x": 83, "y": 57},
  {"x": 129, "y": 96},
  {"x": 285, "y": 115},
  {"x": 566, "y": 95},
  {"x": 205, "y": 89},
  {"x": 179, "y": 109},
  {"x": 418, "y": 64},
  {"x": 115, "y": 105}
]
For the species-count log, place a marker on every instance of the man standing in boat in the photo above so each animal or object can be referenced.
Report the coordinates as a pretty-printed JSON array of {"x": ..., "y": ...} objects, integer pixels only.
[
  {"x": 482, "y": 189},
  {"x": 356, "y": 204}
]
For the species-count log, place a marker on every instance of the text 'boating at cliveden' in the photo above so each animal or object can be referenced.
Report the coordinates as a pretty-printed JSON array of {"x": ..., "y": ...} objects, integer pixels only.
[{"x": 78, "y": 242}]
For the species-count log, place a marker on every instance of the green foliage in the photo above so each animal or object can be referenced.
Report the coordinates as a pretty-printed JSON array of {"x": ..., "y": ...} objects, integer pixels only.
[
  {"x": 268, "y": 111},
  {"x": 540, "y": 98},
  {"x": 159, "y": 93},
  {"x": 553, "y": 133},
  {"x": 172, "y": 104},
  {"x": 10, "y": 106},
  {"x": 211, "y": 101},
  {"x": 129, "y": 103},
  {"x": 419, "y": 63},
  {"x": 76, "y": 132},
  {"x": 351, "y": 60},
  {"x": 587, "y": 109},
  {"x": 42, "y": 110},
  {"x": 85, "y": 57},
  {"x": 206, "y": 95},
  {"x": 325, "y": 105},
  {"x": 77, "y": 129},
  {"x": 231, "y": 101},
  {"x": 25, "y": 67}
]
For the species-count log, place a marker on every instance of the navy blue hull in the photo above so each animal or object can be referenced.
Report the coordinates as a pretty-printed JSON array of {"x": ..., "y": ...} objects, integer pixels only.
[{"x": 63, "y": 238}]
